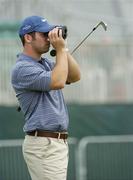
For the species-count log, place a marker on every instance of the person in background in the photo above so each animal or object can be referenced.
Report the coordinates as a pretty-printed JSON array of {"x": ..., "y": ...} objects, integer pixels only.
[{"x": 38, "y": 83}]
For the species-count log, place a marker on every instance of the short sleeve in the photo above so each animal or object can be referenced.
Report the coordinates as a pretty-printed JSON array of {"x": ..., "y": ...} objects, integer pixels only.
[{"x": 31, "y": 77}]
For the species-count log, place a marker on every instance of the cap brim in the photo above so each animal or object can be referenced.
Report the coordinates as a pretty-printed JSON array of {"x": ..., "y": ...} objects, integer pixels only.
[{"x": 45, "y": 29}]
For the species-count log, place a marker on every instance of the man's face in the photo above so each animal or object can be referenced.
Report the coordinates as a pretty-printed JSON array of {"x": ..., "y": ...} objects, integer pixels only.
[{"x": 40, "y": 42}]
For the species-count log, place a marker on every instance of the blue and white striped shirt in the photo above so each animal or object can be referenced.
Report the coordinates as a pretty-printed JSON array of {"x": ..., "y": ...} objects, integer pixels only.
[{"x": 43, "y": 108}]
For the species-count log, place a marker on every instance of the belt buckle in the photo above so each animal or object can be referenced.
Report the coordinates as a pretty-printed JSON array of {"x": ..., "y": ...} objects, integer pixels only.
[
  {"x": 59, "y": 134},
  {"x": 36, "y": 133}
]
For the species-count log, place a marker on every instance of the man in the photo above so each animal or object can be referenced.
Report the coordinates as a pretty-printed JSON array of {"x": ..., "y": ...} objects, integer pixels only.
[{"x": 38, "y": 82}]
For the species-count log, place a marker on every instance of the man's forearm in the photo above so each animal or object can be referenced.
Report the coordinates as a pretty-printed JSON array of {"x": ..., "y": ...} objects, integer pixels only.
[
  {"x": 73, "y": 69},
  {"x": 60, "y": 71}
]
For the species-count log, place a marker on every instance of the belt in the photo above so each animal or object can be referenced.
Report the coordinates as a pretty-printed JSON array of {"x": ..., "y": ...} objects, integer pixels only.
[{"x": 58, "y": 135}]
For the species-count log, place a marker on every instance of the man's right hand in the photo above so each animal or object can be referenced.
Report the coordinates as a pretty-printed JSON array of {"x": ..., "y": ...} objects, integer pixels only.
[
  {"x": 56, "y": 39},
  {"x": 60, "y": 70}
]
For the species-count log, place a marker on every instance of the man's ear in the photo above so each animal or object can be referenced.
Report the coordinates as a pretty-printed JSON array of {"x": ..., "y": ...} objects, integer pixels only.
[{"x": 28, "y": 38}]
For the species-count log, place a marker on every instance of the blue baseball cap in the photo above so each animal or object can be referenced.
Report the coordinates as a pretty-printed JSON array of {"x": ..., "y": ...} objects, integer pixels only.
[{"x": 35, "y": 23}]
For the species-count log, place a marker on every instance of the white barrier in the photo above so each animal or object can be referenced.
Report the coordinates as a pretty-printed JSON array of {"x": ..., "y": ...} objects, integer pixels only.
[{"x": 87, "y": 142}]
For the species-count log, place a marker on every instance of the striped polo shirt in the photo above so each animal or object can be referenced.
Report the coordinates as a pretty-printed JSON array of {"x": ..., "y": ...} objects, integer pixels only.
[{"x": 43, "y": 108}]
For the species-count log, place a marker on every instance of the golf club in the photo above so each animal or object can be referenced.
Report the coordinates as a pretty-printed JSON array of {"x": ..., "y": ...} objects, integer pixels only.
[{"x": 104, "y": 25}]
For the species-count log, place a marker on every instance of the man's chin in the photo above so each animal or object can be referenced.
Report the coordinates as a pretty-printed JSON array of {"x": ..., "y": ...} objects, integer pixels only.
[{"x": 46, "y": 50}]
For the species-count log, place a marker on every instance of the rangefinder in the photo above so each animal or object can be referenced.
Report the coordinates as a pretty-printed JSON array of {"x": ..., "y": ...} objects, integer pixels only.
[{"x": 64, "y": 31}]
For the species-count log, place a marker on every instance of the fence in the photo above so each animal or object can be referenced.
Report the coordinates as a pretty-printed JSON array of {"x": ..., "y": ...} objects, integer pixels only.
[
  {"x": 106, "y": 65},
  {"x": 106, "y": 158},
  {"x": 106, "y": 73},
  {"x": 12, "y": 166},
  {"x": 92, "y": 158}
]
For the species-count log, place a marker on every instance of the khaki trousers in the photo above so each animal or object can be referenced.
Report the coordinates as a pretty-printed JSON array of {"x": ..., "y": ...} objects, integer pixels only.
[{"x": 46, "y": 158}]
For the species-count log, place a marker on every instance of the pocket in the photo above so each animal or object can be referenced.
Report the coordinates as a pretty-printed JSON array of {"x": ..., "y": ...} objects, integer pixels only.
[
  {"x": 33, "y": 143},
  {"x": 35, "y": 147}
]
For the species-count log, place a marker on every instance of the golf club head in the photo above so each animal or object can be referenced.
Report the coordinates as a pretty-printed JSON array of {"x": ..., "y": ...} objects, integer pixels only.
[{"x": 104, "y": 25}]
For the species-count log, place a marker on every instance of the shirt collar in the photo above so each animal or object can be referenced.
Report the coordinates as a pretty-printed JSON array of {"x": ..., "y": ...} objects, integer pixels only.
[{"x": 23, "y": 56}]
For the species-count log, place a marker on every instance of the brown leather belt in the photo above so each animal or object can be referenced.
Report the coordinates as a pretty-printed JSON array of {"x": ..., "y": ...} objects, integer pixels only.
[{"x": 58, "y": 135}]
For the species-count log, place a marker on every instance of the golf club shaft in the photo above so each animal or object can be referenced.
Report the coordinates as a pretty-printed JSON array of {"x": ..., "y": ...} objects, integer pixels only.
[
  {"x": 81, "y": 42},
  {"x": 101, "y": 23}
]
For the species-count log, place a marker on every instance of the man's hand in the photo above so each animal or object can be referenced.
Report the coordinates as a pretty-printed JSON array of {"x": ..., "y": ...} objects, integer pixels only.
[
  {"x": 60, "y": 71},
  {"x": 56, "y": 39}
]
